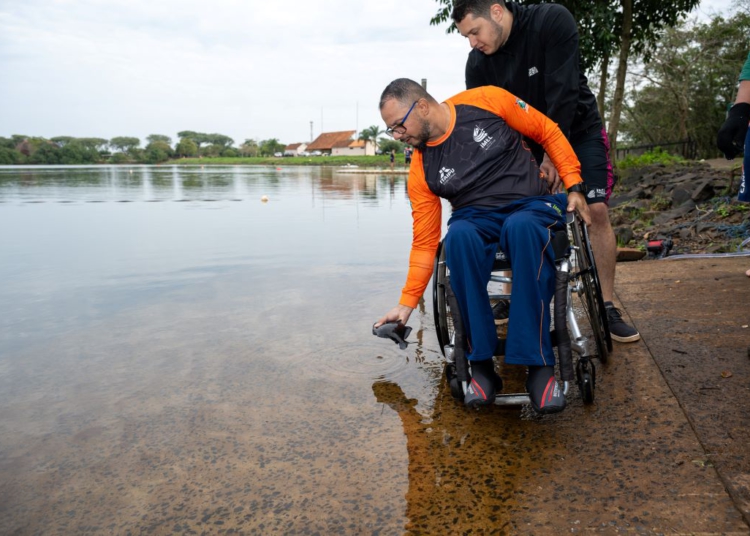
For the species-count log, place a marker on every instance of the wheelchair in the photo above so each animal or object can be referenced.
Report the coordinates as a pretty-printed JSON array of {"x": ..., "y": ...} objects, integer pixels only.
[{"x": 577, "y": 295}]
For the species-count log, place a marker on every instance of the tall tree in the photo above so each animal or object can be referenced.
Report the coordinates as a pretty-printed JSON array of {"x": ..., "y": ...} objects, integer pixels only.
[
  {"x": 199, "y": 138},
  {"x": 186, "y": 147},
  {"x": 371, "y": 133},
  {"x": 96, "y": 144},
  {"x": 62, "y": 140},
  {"x": 151, "y": 138},
  {"x": 219, "y": 139},
  {"x": 387, "y": 145},
  {"x": 269, "y": 147},
  {"x": 249, "y": 148},
  {"x": 125, "y": 144}
]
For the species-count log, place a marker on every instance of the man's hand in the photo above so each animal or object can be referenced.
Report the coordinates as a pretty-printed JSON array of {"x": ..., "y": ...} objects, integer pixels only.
[
  {"x": 551, "y": 176},
  {"x": 576, "y": 201},
  {"x": 731, "y": 137},
  {"x": 400, "y": 314}
]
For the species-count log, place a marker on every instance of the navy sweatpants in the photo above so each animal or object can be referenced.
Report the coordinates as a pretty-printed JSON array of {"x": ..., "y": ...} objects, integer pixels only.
[{"x": 524, "y": 230}]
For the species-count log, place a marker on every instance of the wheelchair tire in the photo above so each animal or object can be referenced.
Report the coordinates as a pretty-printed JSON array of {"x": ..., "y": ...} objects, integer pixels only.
[
  {"x": 441, "y": 309},
  {"x": 586, "y": 376},
  {"x": 454, "y": 383},
  {"x": 457, "y": 391},
  {"x": 590, "y": 291}
]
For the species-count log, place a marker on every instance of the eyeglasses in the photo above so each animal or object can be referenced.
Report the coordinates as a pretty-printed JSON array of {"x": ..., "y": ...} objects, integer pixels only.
[{"x": 399, "y": 127}]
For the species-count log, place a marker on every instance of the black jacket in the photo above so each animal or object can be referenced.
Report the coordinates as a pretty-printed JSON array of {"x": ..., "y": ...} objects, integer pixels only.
[{"x": 540, "y": 63}]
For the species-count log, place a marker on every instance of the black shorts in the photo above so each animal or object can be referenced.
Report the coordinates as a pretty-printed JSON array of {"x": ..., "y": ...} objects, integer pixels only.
[{"x": 592, "y": 151}]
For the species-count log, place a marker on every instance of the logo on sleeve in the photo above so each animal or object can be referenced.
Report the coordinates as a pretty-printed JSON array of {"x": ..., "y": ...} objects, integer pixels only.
[
  {"x": 533, "y": 71},
  {"x": 446, "y": 174},
  {"x": 484, "y": 140}
]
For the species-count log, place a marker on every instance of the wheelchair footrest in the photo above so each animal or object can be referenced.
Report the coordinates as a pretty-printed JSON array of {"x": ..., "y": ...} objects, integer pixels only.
[
  {"x": 521, "y": 399},
  {"x": 512, "y": 399}
]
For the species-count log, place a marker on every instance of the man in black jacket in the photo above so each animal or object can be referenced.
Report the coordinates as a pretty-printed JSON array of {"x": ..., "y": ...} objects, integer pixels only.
[{"x": 532, "y": 52}]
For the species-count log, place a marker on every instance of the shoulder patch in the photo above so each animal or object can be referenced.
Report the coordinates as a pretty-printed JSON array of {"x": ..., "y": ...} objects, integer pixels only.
[{"x": 521, "y": 104}]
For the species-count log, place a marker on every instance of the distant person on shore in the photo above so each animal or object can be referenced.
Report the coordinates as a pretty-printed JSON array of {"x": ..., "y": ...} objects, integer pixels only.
[
  {"x": 407, "y": 155},
  {"x": 734, "y": 136},
  {"x": 393, "y": 158},
  {"x": 470, "y": 151}
]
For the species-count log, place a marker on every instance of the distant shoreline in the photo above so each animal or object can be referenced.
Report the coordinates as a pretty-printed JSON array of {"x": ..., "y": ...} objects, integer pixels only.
[{"x": 380, "y": 162}]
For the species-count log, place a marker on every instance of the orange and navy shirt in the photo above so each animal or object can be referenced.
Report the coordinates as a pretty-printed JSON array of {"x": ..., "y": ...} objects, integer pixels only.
[{"x": 480, "y": 161}]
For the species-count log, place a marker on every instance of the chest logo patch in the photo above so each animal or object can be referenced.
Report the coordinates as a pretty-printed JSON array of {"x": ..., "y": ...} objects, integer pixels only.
[
  {"x": 484, "y": 140},
  {"x": 446, "y": 174},
  {"x": 533, "y": 71}
]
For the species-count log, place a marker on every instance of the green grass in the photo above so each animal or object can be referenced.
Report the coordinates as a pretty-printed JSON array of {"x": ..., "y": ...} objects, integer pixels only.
[
  {"x": 660, "y": 202},
  {"x": 657, "y": 156}
]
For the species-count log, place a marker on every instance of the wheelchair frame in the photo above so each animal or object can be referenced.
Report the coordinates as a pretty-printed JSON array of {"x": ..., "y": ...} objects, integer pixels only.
[{"x": 575, "y": 275}]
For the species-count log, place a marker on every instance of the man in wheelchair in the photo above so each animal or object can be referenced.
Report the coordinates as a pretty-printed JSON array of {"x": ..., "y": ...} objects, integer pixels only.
[{"x": 470, "y": 151}]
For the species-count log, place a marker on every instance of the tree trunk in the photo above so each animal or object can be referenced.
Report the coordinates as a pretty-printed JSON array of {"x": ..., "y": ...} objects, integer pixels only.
[
  {"x": 622, "y": 68},
  {"x": 603, "y": 79}
]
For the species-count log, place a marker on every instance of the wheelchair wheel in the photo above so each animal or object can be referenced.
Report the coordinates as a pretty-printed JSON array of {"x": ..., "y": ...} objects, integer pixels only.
[
  {"x": 590, "y": 291},
  {"x": 586, "y": 376},
  {"x": 454, "y": 383},
  {"x": 443, "y": 319}
]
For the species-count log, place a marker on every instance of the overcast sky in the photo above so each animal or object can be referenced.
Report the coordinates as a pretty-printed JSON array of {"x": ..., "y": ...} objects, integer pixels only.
[{"x": 243, "y": 68}]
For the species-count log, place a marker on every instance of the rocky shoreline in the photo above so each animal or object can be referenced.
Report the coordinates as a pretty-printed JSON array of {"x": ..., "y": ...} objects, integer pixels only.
[{"x": 692, "y": 205}]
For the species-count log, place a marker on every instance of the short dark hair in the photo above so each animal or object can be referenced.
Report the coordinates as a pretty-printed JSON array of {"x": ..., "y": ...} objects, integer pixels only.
[
  {"x": 477, "y": 8},
  {"x": 405, "y": 91}
]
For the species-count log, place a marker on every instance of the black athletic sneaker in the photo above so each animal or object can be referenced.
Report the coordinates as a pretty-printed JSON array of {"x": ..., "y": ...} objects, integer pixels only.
[
  {"x": 501, "y": 311},
  {"x": 544, "y": 391},
  {"x": 485, "y": 384},
  {"x": 619, "y": 330}
]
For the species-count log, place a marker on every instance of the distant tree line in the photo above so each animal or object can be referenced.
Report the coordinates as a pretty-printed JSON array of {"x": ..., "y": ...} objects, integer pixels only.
[{"x": 21, "y": 149}]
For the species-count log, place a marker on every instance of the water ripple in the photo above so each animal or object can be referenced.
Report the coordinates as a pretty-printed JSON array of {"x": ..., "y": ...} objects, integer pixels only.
[{"x": 372, "y": 360}]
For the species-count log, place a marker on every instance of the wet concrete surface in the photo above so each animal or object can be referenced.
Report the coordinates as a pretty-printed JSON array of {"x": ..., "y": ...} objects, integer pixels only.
[
  {"x": 694, "y": 316},
  {"x": 664, "y": 449},
  {"x": 193, "y": 434}
]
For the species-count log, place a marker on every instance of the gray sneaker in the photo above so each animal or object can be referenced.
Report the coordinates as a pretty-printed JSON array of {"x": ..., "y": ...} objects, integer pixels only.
[{"x": 619, "y": 330}]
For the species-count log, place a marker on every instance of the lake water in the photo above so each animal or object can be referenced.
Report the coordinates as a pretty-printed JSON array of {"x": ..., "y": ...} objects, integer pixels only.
[{"x": 177, "y": 356}]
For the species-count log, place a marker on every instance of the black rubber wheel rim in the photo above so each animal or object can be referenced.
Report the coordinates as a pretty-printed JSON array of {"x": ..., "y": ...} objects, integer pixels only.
[
  {"x": 587, "y": 388},
  {"x": 457, "y": 391},
  {"x": 586, "y": 376},
  {"x": 440, "y": 307}
]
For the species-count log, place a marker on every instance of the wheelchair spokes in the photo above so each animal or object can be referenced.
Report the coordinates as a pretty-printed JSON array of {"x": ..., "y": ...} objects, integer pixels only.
[{"x": 585, "y": 284}]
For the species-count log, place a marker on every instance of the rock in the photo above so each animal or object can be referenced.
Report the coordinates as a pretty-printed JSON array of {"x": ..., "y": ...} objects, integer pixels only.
[
  {"x": 620, "y": 199},
  {"x": 688, "y": 177},
  {"x": 623, "y": 234},
  {"x": 680, "y": 195},
  {"x": 703, "y": 191},
  {"x": 671, "y": 215},
  {"x": 643, "y": 194}
]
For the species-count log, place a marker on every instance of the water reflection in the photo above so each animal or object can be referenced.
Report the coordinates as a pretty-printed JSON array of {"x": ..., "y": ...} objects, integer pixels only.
[
  {"x": 182, "y": 183},
  {"x": 176, "y": 355}
]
